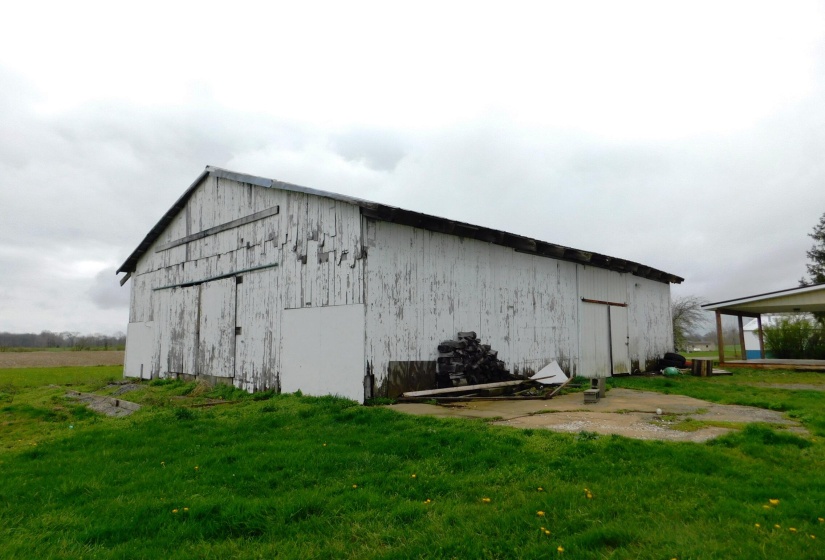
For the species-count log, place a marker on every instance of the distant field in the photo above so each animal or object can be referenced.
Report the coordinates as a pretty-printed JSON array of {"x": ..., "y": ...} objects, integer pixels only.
[{"x": 46, "y": 358}]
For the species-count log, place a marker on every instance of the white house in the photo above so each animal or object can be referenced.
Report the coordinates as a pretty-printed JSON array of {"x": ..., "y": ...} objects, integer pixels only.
[{"x": 266, "y": 285}]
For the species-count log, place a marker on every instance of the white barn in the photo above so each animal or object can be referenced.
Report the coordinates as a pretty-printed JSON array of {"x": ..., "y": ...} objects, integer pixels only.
[{"x": 269, "y": 285}]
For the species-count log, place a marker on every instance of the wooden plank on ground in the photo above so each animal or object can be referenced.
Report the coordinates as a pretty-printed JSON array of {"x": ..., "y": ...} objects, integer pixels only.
[{"x": 464, "y": 388}]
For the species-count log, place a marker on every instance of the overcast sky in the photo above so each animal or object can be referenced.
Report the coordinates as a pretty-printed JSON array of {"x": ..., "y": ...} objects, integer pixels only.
[{"x": 686, "y": 136}]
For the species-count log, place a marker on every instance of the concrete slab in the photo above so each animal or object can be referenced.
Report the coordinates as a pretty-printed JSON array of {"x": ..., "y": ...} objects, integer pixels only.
[{"x": 624, "y": 412}]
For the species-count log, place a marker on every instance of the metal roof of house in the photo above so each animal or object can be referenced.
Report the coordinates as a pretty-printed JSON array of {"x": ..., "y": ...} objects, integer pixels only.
[
  {"x": 414, "y": 219},
  {"x": 806, "y": 298}
]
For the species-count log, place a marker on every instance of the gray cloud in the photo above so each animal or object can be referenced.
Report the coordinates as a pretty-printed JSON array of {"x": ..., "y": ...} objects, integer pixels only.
[
  {"x": 379, "y": 149},
  {"x": 728, "y": 212},
  {"x": 106, "y": 291}
]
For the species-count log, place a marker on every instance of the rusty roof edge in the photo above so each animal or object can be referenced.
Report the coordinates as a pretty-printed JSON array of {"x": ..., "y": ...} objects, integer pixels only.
[{"x": 412, "y": 218}]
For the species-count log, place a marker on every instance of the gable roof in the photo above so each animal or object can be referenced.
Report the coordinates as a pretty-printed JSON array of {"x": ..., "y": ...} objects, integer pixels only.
[
  {"x": 409, "y": 218},
  {"x": 805, "y": 298}
]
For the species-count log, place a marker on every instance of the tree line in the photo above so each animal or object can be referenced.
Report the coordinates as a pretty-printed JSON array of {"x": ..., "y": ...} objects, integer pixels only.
[{"x": 66, "y": 339}]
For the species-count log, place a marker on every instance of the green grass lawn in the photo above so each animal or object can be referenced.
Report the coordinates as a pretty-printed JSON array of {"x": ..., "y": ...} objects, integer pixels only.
[{"x": 287, "y": 476}]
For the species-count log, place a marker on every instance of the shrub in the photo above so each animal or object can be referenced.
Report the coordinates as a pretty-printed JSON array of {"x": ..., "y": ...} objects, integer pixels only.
[{"x": 795, "y": 337}]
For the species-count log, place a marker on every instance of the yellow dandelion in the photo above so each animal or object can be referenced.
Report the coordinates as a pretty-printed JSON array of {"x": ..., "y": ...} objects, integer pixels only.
[
  {"x": 546, "y": 532},
  {"x": 163, "y": 463},
  {"x": 485, "y": 500},
  {"x": 822, "y": 519},
  {"x": 196, "y": 467},
  {"x": 589, "y": 496},
  {"x": 174, "y": 511},
  {"x": 757, "y": 525},
  {"x": 355, "y": 486},
  {"x": 412, "y": 475},
  {"x": 766, "y": 506},
  {"x": 427, "y": 501},
  {"x": 560, "y": 549},
  {"x": 185, "y": 509},
  {"x": 777, "y": 526},
  {"x": 774, "y": 502},
  {"x": 325, "y": 445},
  {"x": 541, "y": 489},
  {"x": 792, "y": 529},
  {"x": 812, "y": 536},
  {"x": 540, "y": 513}
]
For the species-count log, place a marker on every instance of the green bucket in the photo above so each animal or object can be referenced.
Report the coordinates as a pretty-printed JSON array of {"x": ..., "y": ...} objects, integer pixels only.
[{"x": 670, "y": 371}]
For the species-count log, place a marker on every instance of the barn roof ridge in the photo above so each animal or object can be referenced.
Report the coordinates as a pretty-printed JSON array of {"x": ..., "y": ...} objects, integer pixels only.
[{"x": 411, "y": 218}]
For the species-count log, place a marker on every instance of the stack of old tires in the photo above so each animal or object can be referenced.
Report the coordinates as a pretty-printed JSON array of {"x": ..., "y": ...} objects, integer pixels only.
[{"x": 672, "y": 359}]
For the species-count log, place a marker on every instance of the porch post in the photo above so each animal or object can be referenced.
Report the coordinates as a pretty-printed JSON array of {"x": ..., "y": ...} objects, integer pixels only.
[
  {"x": 720, "y": 340},
  {"x": 742, "y": 338},
  {"x": 761, "y": 338}
]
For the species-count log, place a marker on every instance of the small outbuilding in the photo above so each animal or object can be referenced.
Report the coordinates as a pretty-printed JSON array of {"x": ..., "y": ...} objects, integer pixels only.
[{"x": 268, "y": 285}]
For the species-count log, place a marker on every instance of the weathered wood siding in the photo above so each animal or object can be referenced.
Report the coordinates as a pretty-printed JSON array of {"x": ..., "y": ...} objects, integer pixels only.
[
  {"x": 424, "y": 287},
  {"x": 649, "y": 322},
  {"x": 307, "y": 254}
]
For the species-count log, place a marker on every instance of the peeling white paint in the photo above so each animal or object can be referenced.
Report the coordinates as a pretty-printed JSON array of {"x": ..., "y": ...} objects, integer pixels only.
[{"x": 224, "y": 305}]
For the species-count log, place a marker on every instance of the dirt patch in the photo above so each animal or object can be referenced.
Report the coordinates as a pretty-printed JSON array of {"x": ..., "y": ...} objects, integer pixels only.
[
  {"x": 624, "y": 412},
  {"x": 57, "y": 359}
]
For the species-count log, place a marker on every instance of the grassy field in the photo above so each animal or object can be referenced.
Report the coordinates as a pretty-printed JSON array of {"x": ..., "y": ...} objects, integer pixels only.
[
  {"x": 732, "y": 351},
  {"x": 287, "y": 476}
]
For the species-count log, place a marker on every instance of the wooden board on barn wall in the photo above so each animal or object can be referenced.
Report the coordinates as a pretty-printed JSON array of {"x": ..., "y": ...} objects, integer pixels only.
[
  {"x": 216, "y": 342},
  {"x": 258, "y": 318},
  {"x": 423, "y": 287},
  {"x": 410, "y": 376}
]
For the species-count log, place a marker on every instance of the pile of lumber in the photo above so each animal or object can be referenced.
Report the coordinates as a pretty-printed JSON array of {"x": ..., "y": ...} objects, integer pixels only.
[{"x": 465, "y": 361}]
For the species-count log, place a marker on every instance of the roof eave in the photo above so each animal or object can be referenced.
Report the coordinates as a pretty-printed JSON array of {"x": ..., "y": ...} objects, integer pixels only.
[{"x": 414, "y": 219}]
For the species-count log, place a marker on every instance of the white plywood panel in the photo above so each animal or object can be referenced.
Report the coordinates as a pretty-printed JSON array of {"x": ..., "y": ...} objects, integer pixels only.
[
  {"x": 619, "y": 340},
  {"x": 140, "y": 339},
  {"x": 258, "y": 317},
  {"x": 216, "y": 342},
  {"x": 337, "y": 369}
]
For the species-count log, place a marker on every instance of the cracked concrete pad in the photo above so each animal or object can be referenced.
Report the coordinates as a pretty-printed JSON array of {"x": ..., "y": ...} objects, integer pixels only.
[
  {"x": 623, "y": 412},
  {"x": 105, "y": 405}
]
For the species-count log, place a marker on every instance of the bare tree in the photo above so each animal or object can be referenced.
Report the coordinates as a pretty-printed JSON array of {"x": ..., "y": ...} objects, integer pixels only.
[{"x": 687, "y": 315}]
